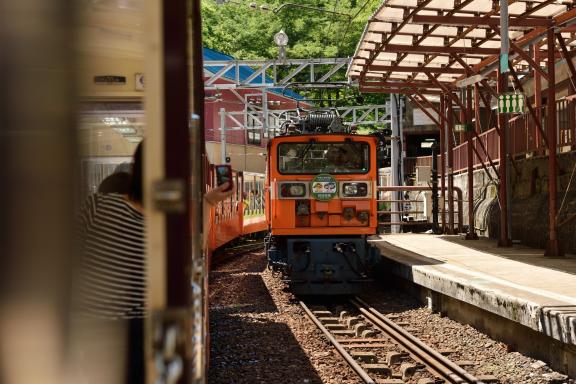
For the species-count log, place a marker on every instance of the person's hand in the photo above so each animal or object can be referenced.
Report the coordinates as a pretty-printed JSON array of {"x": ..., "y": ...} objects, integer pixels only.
[{"x": 218, "y": 194}]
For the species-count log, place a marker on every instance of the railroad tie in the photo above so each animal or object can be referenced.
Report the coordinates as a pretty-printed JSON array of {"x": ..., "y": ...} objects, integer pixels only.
[
  {"x": 375, "y": 345},
  {"x": 344, "y": 332},
  {"x": 364, "y": 357},
  {"x": 381, "y": 369},
  {"x": 359, "y": 340},
  {"x": 324, "y": 313},
  {"x": 389, "y": 381},
  {"x": 335, "y": 327},
  {"x": 329, "y": 320},
  {"x": 394, "y": 357}
]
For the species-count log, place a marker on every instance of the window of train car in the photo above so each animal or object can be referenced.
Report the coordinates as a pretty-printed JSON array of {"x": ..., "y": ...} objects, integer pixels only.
[{"x": 321, "y": 157}]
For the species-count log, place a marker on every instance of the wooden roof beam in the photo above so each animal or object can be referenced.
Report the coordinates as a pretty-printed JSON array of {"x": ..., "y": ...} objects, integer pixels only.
[
  {"x": 400, "y": 84},
  {"x": 527, "y": 22},
  {"x": 489, "y": 34},
  {"x": 463, "y": 4},
  {"x": 447, "y": 91},
  {"x": 401, "y": 25},
  {"x": 432, "y": 34},
  {"x": 398, "y": 91},
  {"x": 439, "y": 50},
  {"x": 428, "y": 70},
  {"x": 530, "y": 36}
]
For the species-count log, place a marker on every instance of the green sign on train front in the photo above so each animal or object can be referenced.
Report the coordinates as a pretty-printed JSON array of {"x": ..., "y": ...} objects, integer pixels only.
[
  {"x": 513, "y": 102},
  {"x": 324, "y": 187}
]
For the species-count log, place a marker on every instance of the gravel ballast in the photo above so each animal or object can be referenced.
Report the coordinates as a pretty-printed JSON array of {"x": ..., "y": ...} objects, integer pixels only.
[{"x": 259, "y": 334}]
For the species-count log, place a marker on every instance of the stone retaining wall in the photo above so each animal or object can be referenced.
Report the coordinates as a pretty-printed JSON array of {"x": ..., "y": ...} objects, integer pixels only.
[{"x": 529, "y": 201}]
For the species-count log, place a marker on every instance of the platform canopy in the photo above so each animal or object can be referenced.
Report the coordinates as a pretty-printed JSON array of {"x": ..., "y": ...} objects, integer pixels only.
[{"x": 435, "y": 45}]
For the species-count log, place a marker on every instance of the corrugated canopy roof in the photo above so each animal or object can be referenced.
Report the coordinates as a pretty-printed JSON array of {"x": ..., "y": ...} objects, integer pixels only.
[{"x": 429, "y": 45}]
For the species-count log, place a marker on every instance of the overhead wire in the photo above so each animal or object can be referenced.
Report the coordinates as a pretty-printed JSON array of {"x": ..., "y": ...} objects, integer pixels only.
[
  {"x": 333, "y": 17},
  {"x": 350, "y": 23}
]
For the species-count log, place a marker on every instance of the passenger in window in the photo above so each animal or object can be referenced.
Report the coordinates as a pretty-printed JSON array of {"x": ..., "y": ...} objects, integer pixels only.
[
  {"x": 291, "y": 160},
  {"x": 340, "y": 159}
]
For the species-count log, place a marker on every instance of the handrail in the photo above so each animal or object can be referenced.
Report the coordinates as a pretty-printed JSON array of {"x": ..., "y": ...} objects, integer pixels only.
[
  {"x": 524, "y": 137},
  {"x": 416, "y": 188}
]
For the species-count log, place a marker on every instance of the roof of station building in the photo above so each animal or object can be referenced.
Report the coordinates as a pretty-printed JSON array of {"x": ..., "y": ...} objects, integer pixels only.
[{"x": 430, "y": 45}]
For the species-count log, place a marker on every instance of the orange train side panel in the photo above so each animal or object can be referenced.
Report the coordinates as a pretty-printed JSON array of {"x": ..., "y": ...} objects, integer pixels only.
[
  {"x": 318, "y": 221},
  {"x": 283, "y": 213},
  {"x": 334, "y": 206},
  {"x": 254, "y": 224}
]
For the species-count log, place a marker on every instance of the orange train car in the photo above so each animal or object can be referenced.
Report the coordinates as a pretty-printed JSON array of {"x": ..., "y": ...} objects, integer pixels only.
[
  {"x": 239, "y": 215},
  {"x": 321, "y": 205}
]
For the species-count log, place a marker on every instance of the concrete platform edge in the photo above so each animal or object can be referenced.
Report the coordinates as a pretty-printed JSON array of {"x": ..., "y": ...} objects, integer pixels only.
[{"x": 554, "y": 321}]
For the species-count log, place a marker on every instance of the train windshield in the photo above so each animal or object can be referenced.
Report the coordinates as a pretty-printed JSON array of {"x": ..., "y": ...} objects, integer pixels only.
[{"x": 321, "y": 157}]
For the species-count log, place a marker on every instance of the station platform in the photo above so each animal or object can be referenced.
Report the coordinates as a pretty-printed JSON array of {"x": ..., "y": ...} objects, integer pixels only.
[{"x": 517, "y": 283}]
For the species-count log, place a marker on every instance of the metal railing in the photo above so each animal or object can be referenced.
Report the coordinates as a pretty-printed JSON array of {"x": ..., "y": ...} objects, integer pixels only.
[
  {"x": 524, "y": 136},
  {"x": 385, "y": 209},
  {"x": 271, "y": 73}
]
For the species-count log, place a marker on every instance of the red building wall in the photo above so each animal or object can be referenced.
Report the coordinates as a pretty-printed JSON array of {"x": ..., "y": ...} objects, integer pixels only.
[{"x": 231, "y": 103}]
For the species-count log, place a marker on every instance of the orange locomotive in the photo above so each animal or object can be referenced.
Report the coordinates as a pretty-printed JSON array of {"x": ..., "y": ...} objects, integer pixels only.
[{"x": 321, "y": 205}]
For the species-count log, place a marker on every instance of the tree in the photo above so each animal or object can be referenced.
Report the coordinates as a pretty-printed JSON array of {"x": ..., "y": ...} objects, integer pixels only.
[{"x": 246, "y": 33}]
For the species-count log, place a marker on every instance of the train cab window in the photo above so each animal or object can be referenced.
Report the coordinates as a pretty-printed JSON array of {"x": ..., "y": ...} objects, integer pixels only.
[{"x": 319, "y": 157}]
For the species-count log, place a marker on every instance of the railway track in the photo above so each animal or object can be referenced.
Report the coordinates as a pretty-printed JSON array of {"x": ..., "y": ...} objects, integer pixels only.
[{"x": 382, "y": 352}]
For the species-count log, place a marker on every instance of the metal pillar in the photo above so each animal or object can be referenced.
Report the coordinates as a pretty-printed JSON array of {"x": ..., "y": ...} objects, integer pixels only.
[
  {"x": 401, "y": 141},
  {"x": 434, "y": 172},
  {"x": 222, "y": 136},
  {"x": 471, "y": 234},
  {"x": 264, "y": 112},
  {"x": 395, "y": 156},
  {"x": 504, "y": 239},
  {"x": 443, "y": 160},
  {"x": 450, "y": 155},
  {"x": 537, "y": 94},
  {"x": 553, "y": 248}
]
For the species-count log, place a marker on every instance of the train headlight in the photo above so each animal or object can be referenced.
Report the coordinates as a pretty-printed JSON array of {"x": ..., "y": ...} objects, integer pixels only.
[
  {"x": 292, "y": 190},
  {"x": 350, "y": 189},
  {"x": 354, "y": 189},
  {"x": 363, "y": 216}
]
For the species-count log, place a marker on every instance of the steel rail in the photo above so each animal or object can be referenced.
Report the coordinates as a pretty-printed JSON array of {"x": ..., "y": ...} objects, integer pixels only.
[
  {"x": 442, "y": 366},
  {"x": 349, "y": 359}
]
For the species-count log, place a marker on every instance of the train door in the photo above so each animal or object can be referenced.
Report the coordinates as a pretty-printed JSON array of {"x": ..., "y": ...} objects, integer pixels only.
[{"x": 176, "y": 327}]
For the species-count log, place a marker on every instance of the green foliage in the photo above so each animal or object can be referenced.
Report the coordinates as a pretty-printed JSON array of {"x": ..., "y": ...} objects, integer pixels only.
[
  {"x": 238, "y": 30},
  {"x": 245, "y": 33}
]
